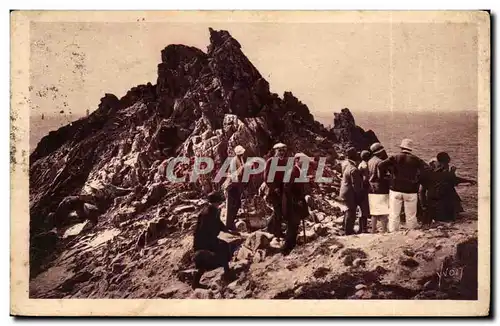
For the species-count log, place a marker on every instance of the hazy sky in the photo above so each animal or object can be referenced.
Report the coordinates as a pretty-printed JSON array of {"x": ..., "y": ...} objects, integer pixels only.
[{"x": 328, "y": 66}]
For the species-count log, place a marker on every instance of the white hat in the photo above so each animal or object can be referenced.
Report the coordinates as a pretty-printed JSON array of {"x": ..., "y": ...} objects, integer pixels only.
[
  {"x": 407, "y": 144},
  {"x": 239, "y": 150},
  {"x": 302, "y": 156},
  {"x": 279, "y": 145}
]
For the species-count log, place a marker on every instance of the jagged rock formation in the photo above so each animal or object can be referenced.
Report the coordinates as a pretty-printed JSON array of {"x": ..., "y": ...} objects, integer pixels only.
[
  {"x": 348, "y": 133},
  {"x": 203, "y": 104},
  {"x": 139, "y": 245}
]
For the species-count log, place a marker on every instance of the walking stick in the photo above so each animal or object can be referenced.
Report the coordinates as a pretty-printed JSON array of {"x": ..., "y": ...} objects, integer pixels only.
[{"x": 304, "y": 227}]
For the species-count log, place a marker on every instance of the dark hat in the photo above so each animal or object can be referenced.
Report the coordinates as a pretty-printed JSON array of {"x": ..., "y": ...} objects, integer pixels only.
[
  {"x": 215, "y": 197},
  {"x": 443, "y": 157},
  {"x": 351, "y": 153},
  {"x": 365, "y": 155}
]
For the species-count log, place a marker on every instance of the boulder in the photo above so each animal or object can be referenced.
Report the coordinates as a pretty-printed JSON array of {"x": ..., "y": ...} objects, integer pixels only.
[
  {"x": 409, "y": 252},
  {"x": 183, "y": 208},
  {"x": 46, "y": 241},
  {"x": 275, "y": 244},
  {"x": 259, "y": 256},
  {"x": 321, "y": 272},
  {"x": 202, "y": 294},
  {"x": 186, "y": 276},
  {"x": 320, "y": 230},
  {"x": 118, "y": 268},
  {"x": 408, "y": 262},
  {"x": 360, "y": 286},
  {"x": 358, "y": 262},
  {"x": 244, "y": 253},
  {"x": 257, "y": 240},
  {"x": 348, "y": 260},
  {"x": 241, "y": 226},
  {"x": 241, "y": 266}
]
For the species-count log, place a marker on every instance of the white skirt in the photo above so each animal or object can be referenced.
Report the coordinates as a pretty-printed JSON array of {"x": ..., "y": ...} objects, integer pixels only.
[{"x": 379, "y": 204}]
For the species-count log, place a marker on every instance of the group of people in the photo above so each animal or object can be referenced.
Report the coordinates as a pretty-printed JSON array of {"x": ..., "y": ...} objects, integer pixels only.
[
  {"x": 380, "y": 185},
  {"x": 384, "y": 187},
  {"x": 289, "y": 201}
]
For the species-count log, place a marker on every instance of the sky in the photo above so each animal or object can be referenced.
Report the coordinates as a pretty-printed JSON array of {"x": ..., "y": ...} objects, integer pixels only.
[{"x": 417, "y": 67}]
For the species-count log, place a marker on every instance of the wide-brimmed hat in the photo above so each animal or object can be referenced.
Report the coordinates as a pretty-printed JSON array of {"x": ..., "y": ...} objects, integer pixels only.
[
  {"x": 279, "y": 145},
  {"x": 215, "y": 197},
  {"x": 239, "y": 150},
  {"x": 365, "y": 154},
  {"x": 302, "y": 156},
  {"x": 351, "y": 153},
  {"x": 407, "y": 144},
  {"x": 376, "y": 148}
]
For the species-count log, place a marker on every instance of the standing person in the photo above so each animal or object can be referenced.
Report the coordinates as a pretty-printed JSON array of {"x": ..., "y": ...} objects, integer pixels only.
[
  {"x": 295, "y": 207},
  {"x": 378, "y": 196},
  {"x": 275, "y": 189},
  {"x": 457, "y": 200},
  {"x": 234, "y": 188},
  {"x": 406, "y": 169},
  {"x": 210, "y": 252},
  {"x": 364, "y": 204},
  {"x": 438, "y": 191},
  {"x": 351, "y": 189}
]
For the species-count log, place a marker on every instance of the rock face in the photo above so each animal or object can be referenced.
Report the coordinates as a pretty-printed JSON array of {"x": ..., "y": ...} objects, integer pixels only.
[
  {"x": 134, "y": 233},
  {"x": 203, "y": 104},
  {"x": 348, "y": 133}
]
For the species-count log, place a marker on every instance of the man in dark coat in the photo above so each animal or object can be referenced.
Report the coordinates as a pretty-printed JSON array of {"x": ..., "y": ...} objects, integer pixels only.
[
  {"x": 275, "y": 195},
  {"x": 294, "y": 204},
  {"x": 438, "y": 191},
  {"x": 210, "y": 252},
  {"x": 406, "y": 170}
]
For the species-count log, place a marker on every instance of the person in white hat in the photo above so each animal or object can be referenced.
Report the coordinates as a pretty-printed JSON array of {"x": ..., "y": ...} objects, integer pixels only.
[
  {"x": 234, "y": 188},
  {"x": 378, "y": 191},
  {"x": 279, "y": 148},
  {"x": 405, "y": 169}
]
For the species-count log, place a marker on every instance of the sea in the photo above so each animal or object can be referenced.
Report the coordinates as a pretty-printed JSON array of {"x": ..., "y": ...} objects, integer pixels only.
[{"x": 432, "y": 132}]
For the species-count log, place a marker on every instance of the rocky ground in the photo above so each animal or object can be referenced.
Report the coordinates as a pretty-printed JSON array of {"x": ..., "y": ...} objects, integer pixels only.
[
  {"x": 419, "y": 264},
  {"x": 133, "y": 237}
]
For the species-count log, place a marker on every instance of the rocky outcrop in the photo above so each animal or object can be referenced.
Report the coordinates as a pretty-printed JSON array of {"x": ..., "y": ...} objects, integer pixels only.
[
  {"x": 203, "y": 104},
  {"x": 349, "y": 134}
]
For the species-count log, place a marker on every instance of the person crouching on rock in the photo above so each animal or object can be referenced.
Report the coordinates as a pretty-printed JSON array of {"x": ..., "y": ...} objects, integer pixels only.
[
  {"x": 210, "y": 252},
  {"x": 378, "y": 196},
  {"x": 233, "y": 187},
  {"x": 351, "y": 189}
]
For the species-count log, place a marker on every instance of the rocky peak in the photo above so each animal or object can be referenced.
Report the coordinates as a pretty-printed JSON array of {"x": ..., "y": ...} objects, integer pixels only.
[
  {"x": 202, "y": 105},
  {"x": 343, "y": 119},
  {"x": 349, "y": 134}
]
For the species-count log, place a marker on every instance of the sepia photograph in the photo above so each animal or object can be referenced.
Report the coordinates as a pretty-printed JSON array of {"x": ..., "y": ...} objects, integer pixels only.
[{"x": 308, "y": 163}]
